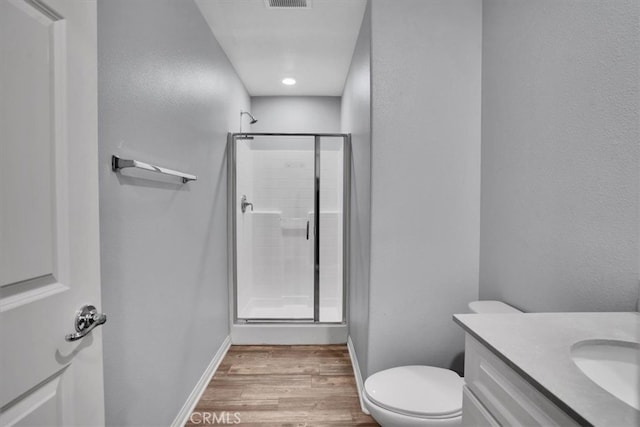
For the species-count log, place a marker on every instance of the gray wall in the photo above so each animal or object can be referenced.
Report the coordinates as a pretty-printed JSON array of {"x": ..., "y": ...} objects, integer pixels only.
[
  {"x": 560, "y": 134},
  {"x": 167, "y": 95},
  {"x": 425, "y": 201},
  {"x": 356, "y": 119},
  {"x": 295, "y": 114}
]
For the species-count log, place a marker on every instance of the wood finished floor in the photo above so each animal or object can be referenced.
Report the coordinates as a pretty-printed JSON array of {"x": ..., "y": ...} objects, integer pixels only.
[{"x": 285, "y": 385}]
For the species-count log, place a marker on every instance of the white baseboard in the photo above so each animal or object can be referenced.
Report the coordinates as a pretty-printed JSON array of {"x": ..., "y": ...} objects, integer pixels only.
[
  {"x": 184, "y": 414},
  {"x": 357, "y": 373}
]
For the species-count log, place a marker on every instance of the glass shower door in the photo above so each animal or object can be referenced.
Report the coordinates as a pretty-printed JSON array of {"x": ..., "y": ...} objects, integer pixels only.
[{"x": 274, "y": 208}]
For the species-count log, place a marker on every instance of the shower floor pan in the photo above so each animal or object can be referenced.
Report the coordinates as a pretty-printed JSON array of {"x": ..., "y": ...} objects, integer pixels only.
[
  {"x": 287, "y": 324},
  {"x": 292, "y": 309},
  {"x": 293, "y": 312}
]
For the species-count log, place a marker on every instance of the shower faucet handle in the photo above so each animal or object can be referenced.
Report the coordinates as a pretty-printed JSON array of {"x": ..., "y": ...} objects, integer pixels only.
[{"x": 244, "y": 204}]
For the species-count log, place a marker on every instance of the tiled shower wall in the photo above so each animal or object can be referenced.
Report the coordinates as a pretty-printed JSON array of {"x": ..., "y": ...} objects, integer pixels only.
[{"x": 275, "y": 258}]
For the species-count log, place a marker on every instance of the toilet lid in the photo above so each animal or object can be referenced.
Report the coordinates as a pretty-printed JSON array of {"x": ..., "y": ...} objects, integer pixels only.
[{"x": 422, "y": 391}]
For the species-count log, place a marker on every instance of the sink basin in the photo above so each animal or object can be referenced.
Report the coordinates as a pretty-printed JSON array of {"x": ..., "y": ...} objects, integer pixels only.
[{"x": 613, "y": 365}]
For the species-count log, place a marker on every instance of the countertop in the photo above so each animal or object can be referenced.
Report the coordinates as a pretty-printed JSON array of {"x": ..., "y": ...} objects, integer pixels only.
[{"x": 537, "y": 346}]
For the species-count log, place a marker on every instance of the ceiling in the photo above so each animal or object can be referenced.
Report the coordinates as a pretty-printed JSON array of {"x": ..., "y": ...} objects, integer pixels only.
[{"x": 313, "y": 45}]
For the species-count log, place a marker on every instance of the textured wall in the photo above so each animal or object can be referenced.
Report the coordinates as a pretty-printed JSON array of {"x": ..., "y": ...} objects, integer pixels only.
[
  {"x": 560, "y": 134},
  {"x": 167, "y": 95},
  {"x": 356, "y": 119},
  {"x": 295, "y": 114},
  {"x": 425, "y": 201}
]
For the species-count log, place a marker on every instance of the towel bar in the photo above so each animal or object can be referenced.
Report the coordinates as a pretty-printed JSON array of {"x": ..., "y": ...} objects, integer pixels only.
[{"x": 117, "y": 163}]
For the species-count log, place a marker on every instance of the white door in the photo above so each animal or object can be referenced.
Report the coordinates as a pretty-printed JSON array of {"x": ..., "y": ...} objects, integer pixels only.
[{"x": 49, "y": 231}]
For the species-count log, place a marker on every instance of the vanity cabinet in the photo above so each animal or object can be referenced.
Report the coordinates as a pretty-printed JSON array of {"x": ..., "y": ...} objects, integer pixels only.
[{"x": 496, "y": 395}]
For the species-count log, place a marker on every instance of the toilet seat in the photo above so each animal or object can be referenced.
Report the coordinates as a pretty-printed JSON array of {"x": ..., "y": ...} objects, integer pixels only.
[{"x": 417, "y": 391}]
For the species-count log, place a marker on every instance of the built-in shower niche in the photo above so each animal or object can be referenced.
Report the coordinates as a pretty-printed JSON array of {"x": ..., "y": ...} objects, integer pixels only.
[{"x": 275, "y": 238}]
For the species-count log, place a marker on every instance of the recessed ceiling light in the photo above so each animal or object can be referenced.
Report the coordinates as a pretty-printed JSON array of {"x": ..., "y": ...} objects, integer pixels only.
[{"x": 289, "y": 81}]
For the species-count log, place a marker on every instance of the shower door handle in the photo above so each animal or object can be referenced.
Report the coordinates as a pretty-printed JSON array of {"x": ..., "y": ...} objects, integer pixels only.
[{"x": 307, "y": 229}]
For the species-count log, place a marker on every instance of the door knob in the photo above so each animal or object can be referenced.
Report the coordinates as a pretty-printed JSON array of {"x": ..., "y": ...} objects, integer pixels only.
[
  {"x": 87, "y": 319},
  {"x": 244, "y": 204}
]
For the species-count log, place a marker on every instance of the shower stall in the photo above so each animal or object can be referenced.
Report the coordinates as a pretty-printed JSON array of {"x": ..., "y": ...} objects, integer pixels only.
[{"x": 288, "y": 210}]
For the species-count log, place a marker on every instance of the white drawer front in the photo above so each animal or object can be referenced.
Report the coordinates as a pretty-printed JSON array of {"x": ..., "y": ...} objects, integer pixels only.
[
  {"x": 509, "y": 398},
  {"x": 473, "y": 413}
]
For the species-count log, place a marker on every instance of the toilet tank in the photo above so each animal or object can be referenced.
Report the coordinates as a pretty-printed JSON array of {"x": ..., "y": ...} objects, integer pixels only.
[{"x": 488, "y": 307}]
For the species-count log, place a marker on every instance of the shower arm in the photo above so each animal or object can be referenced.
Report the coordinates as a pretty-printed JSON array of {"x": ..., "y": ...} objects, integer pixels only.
[{"x": 252, "y": 119}]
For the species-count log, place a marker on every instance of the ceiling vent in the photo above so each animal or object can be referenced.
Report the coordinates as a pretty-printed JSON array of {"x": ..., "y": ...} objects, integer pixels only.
[{"x": 288, "y": 4}]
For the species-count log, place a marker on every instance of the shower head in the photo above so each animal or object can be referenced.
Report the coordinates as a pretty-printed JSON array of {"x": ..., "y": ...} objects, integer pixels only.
[{"x": 253, "y": 119}]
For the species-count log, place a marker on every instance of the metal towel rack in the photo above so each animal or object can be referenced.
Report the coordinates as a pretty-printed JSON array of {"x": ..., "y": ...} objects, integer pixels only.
[{"x": 117, "y": 163}]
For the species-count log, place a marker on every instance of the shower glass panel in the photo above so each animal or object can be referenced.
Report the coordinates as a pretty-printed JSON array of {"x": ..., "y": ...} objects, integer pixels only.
[
  {"x": 274, "y": 242},
  {"x": 331, "y": 153}
]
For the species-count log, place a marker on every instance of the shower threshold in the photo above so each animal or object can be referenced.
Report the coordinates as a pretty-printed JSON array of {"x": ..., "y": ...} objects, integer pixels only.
[
  {"x": 289, "y": 333},
  {"x": 272, "y": 320}
]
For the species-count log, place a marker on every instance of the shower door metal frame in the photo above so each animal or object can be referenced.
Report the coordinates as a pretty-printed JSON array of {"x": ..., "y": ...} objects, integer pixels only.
[{"x": 346, "y": 213}]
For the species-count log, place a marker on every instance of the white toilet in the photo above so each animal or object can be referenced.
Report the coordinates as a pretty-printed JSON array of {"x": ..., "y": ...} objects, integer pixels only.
[{"x": 417, "y": 396}]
